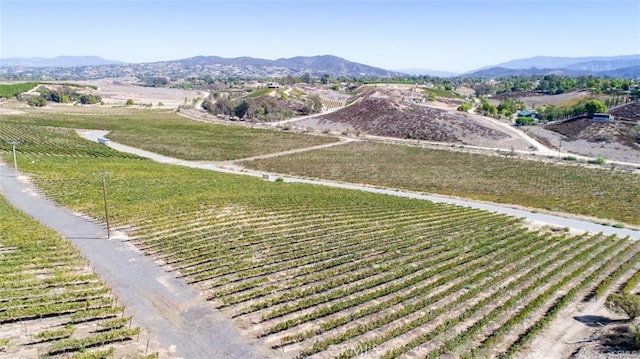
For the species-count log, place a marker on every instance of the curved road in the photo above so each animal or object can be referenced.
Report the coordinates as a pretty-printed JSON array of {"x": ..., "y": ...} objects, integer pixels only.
[
  {"x": 228, "y": 167},
  {"x": 184, "y": 323}
]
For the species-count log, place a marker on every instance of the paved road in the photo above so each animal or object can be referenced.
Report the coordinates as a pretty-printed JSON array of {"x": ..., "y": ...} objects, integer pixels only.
[
  {"x": 581, "y": 225},
  {"x": 181, "y": 320}
]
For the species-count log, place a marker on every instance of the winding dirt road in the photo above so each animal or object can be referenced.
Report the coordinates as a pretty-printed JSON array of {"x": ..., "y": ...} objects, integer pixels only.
[{"x": 231, "y": 167}]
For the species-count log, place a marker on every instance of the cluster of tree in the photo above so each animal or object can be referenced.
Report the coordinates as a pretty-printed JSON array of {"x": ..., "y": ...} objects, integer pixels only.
[
  {"x": 506, "y": 107},
  {"x": 153, "y": 81},
  {"x": 63, "y": 94},
  {"x": 555, "y": 84},
  {"x": 39, "y": 101},
  {"x": 264, "y": 108},
  {"x": 549, "y": 84},
  {"x": 585, "y": 107}
]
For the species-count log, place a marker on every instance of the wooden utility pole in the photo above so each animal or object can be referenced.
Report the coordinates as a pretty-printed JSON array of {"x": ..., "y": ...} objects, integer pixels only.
[
  {"x": 15, "y": 158},
  {"x": 106, "y": 205}
]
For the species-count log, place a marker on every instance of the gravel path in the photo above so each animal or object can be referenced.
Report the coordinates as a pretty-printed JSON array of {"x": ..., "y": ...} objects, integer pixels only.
[
  {"x": 549, "y": 219},
  {"x": 184, "y": 323}
]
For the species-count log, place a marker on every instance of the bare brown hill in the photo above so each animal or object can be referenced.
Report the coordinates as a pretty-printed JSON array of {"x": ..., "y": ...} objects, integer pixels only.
[
  {"x": 629, "y": 112},
  {"x": 383, "y": 115},
  {"x": 623, "y": 132}
]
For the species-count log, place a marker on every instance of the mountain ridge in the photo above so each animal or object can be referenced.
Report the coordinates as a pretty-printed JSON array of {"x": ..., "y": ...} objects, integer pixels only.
[{"x": 58, "y": 61}]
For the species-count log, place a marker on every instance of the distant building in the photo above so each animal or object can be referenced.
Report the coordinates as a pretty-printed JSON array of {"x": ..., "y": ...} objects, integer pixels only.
[
  {"x": 602, "y": 117},
  {"x": 273, "y": 85},
  {"x": 526, "y": 113}
]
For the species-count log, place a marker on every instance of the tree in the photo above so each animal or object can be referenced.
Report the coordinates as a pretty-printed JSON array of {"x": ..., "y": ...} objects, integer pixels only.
[
  {"x": 241, "y": 109},
  {"x": 324, "y": 79},
  {"x": 594, "y": 106},
  {"x": 624, "y": 303},
  {"x": 39, "y": 101},
  {"x": 129, "y": 102},
  {"x": 306, "y": 78},
  {"x": 90, "y": 99},
  {"x": 524, "y": 121},
  {"x": 466, "y": 106}
]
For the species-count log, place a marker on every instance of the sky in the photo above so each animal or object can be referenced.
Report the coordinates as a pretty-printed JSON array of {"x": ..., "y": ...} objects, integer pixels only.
[{"x": 458, "y": 35}]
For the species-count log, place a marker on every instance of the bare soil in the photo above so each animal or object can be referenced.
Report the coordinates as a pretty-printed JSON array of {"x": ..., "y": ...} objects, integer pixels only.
[
  {"x": 381, "y": 112},
  {"x": 534, "y": 99},
  {"x": 612, "y": 141},
  {"x": 118, "y": 91},
  {"x": 630, "y": 112}
]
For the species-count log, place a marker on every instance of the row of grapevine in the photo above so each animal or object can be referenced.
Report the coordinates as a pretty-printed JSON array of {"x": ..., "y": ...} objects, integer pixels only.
[
  {"x": 51, "y": 304},
  {"x": 322, "y": 272}
]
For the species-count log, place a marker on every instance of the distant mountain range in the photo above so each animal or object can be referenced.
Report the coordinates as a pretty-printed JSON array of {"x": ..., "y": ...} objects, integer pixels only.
[
  {"x": 435, "y": 73},
  {"x": 615, "y": 66},
  {"x": 214, "y": 66},
  {"x": 93, "y": 67},
  {"x": 317, "y": 65},
  {"x": 60, "y": 61}
]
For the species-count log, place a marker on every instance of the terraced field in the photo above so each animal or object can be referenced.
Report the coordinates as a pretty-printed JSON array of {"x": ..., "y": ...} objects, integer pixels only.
[
  {"x": 321, "y": 272},
  {"x": 606, "y": 194},
  {"x": 51, "y": 303}
]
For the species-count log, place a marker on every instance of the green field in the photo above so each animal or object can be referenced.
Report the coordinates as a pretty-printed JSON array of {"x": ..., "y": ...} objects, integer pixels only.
[
  {"x": 438, "y": 92},
  {"x": 50, "y": 302},
  {"x": 598, "y": 193},
  {"x": 167, "y": 133},
  {"x": 10, "y": 90},
  {"x": 315, "y": 270}
]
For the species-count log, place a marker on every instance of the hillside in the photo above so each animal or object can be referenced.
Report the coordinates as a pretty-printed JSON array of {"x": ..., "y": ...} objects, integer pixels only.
[
  {"x": 615, "y": 66},
  {"x": 381, "y": 112},
  {"x": 194, "y": 67},
  {"x": 591, "y": 63}
]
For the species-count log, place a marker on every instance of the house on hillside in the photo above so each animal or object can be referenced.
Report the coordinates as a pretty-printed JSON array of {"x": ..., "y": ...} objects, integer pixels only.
[
  {"x": 526, "y": 113},
  {"x": 602, "y": 117}
]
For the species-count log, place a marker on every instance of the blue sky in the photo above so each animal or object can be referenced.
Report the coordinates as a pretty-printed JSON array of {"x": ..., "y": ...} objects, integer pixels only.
[{"x": 440, "y": 35}]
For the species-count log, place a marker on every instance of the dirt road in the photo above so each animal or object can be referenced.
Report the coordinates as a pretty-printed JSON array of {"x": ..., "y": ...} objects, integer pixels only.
[
  {"x": 185, "y": 324},
  {"x": 230, "y": 167}
]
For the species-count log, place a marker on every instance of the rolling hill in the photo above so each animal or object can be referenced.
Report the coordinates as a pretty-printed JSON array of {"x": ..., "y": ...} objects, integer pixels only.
[
  {"x": 59, "y": 61},
  {"x": 616, "y": 66}
]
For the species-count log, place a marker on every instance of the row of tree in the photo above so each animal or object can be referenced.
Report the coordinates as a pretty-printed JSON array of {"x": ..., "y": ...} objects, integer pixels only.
[
  {"x": 264, "y": 108},
  {"x": 582, "y": 108},
  {"x": 63, "y": 94}
]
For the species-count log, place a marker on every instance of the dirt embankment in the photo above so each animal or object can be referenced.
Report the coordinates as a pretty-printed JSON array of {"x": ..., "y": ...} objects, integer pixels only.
[{"x": 628, "y": 112}]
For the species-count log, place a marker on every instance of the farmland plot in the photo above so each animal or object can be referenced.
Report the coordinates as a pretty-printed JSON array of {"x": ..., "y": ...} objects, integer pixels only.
[
  {"x": 598, "y": 193},
  {"x": 322, "y": 272}
]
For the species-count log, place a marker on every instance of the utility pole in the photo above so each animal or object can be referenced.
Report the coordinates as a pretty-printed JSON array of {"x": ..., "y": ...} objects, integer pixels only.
[
  {"x": 106, "y": 206},
  {"x": 560, "y": 146},
  {"x": 15, "y": 158}
]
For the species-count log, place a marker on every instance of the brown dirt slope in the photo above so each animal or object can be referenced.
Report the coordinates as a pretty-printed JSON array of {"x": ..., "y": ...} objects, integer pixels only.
[
  {"x": 383, "y": 115},
  {"x": 629, "y": 112},
  {"x": 621, "y": 132}
]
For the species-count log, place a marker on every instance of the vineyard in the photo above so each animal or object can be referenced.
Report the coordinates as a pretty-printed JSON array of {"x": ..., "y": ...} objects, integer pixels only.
[
  {"x": 54, "y": 141},
  {"x": 605, "y": 194},
  {"x": 321, "y": 272},
  {"x": 331, "y": 104},
  {"x": 51, "y": 303},
  {"x": 167, "y": 133}
]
